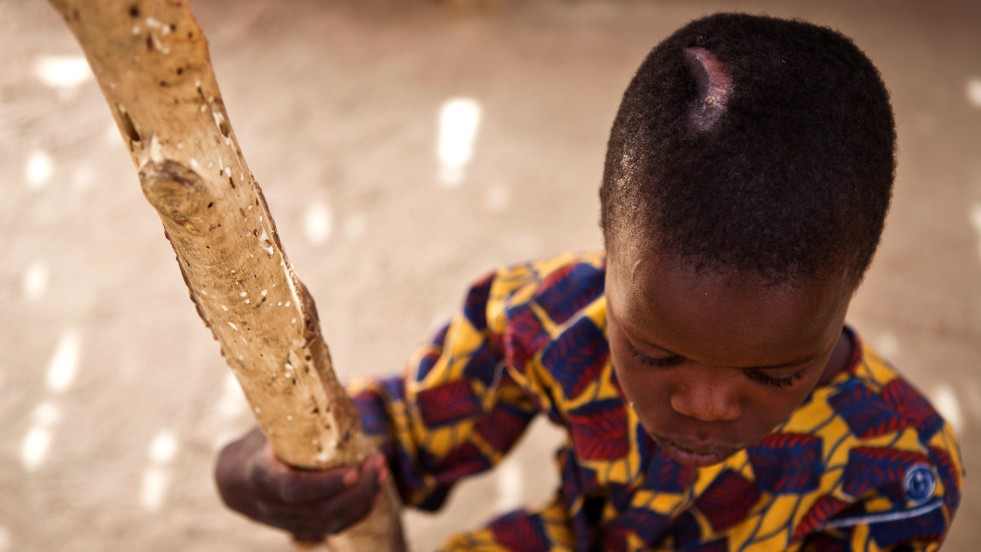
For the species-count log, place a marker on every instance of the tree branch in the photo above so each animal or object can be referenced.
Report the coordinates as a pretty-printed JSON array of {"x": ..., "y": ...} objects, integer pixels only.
[{"x": 151, "y": 61}]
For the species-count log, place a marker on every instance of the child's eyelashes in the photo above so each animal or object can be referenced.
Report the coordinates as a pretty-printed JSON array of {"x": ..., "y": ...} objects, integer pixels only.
[
  {"x": 658, "y": 362},
  {"x": 758, "y": 375},
  {"x": 755, "y": 375}
]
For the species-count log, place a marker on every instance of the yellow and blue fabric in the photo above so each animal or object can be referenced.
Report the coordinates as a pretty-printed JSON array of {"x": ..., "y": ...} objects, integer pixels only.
[{"x": 864, "y": 464}]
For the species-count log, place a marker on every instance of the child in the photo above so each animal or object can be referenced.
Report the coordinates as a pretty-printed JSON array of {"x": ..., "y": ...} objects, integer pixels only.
[{"x": 713, "y": 398}]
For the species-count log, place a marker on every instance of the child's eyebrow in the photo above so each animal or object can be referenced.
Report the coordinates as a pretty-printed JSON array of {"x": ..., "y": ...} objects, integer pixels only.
[{"x": 795, "y": 362}]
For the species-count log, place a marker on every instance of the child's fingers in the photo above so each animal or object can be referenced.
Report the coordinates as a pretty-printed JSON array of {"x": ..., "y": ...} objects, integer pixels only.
[
  {"x": 354, "y": 503},
  {"x": 277, "y": 482},
  {"x": 299, "y": 521},
  {"x": 295, "y": 487},
  {"x": 306, "y": 487}
]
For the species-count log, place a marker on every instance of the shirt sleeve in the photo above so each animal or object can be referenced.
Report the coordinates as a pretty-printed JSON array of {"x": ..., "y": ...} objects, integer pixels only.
[{"x": 457, "y": 410}]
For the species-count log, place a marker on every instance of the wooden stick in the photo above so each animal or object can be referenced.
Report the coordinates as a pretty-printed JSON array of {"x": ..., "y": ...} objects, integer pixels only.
[{"x": 152, "y": 63}]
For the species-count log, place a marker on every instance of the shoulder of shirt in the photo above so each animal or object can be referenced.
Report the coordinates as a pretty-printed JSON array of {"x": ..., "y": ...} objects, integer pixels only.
[
  {"x": 884, "y": 454},
  {"x": 887, "y": 401},
  {"x": 890, "y": 443},
  {"x": 518, "y": 283},
  {"x": 530, "y": 305}
]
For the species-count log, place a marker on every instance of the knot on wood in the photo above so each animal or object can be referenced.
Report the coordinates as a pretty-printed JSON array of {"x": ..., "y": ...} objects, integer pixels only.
[{"x": 175, "y": 191}]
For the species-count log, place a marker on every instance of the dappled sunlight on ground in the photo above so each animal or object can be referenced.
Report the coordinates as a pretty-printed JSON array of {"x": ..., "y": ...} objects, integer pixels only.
[
  {"x": 63, "y": 366},
  {"x": 37, "y": 443},
  {"x": 976, "y": 223},
  {"x": 459, "y": 121},
  {"x": 318, "y": 222},
  {"x": 946, "y": 402},
  {"x": 38, "y": 169},
  {"x": 63, "y": 73},
  {"x": 35, "y": 281},
  {"x": 973, "y": 90},
  {"x": 156, "y": 476}
]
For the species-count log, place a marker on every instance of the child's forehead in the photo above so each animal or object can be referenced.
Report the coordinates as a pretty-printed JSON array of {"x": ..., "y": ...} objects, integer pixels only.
[
  {"x": 650, "y": 277},
  {"x": 638, "y": 251},
  {"x": 730, "y": 318}
]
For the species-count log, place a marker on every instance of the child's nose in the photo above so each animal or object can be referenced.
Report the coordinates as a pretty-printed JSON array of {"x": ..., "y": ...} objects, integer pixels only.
[{"x": 708, "y": 395}]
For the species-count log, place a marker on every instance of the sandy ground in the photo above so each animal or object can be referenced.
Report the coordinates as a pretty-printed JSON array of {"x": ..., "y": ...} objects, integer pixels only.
[{"x": 113, "y": 397}]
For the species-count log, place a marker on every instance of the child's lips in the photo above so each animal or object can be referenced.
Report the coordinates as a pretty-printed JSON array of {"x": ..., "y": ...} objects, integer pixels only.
[{"x": 695, "y": 455}]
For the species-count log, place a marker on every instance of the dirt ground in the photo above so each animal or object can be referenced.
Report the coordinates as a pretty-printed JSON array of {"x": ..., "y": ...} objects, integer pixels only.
[{"x": 113, "y": 397}]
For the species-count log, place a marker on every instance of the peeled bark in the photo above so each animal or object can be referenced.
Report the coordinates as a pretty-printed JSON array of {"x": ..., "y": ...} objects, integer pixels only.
[{"x": 152, "y": 63}]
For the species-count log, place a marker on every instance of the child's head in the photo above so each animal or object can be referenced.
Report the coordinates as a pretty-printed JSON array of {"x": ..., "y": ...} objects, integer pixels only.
[
  {"x": 747, "y": 179},
  {"x": 752, "y": 143}
]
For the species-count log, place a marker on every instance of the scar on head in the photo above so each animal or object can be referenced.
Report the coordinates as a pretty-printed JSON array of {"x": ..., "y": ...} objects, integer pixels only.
[{"x": 714, "y": 88}]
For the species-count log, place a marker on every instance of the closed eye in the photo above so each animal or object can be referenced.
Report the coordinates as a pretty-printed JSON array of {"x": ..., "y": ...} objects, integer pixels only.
[
  {"x": 759, "y": 376},
  {"x": 659, "y": 362}
]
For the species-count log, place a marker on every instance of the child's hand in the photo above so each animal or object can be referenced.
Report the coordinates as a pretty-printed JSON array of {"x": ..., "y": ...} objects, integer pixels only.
[{"x": 308, "y": 504}]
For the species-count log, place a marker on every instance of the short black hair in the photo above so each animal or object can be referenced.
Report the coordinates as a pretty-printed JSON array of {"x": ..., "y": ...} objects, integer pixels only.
[{"x": 788, "y": 173}]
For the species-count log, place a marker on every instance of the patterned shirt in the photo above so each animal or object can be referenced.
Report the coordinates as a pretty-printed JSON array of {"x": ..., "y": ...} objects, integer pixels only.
[{"x": 865, "y": 463}]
